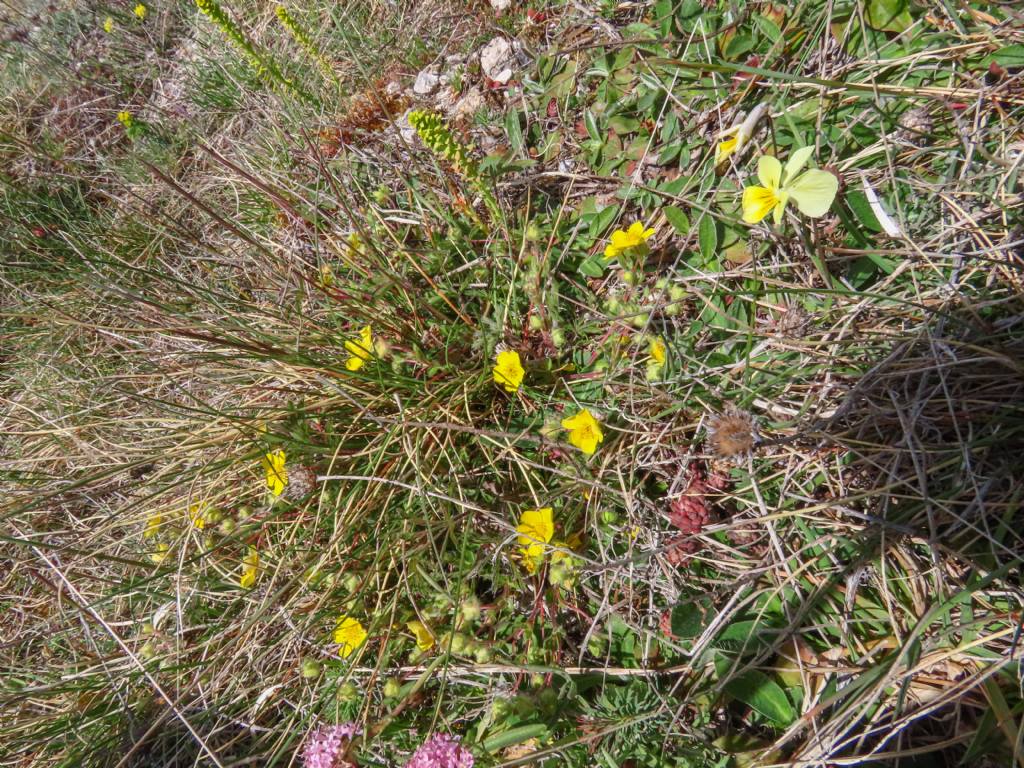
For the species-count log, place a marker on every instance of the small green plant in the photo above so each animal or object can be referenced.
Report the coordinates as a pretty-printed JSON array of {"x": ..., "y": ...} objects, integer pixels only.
[
  {"x": 301, "y": 36},
  {"x": 264, "y": 67}
]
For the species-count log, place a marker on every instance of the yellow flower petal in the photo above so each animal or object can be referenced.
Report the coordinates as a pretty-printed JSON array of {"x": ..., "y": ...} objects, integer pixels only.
[
  {"x": 250, "y": 568},
  {"x": 724, "y": 149},
  {"x": 584, "y": 431},
  {"x": 140, "y": 11},
  {"x": 349, "y": 635},
  {"x": 424, "y": 637},
  {"x": 359, "y": 349},
  {"x": 758, "y": 202},
  {"x": 536, "y": 527},
  {"x": 769, "y": 171},
  {"x": 797, "y": 160},
  {"x": 657, "y": 351},
  {"x": 508, "y": 371},
  {"x": 277, "y": 473},
  {"x": 813, "y": 191}
]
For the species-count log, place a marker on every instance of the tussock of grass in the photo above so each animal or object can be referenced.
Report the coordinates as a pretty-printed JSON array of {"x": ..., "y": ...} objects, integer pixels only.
[{"x": 187, "y": 296}]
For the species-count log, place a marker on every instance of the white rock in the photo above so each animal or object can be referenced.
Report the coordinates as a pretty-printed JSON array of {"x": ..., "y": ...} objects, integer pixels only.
[
  {"x": 426, "y": 82},
  {"x": 468, "y": 104},
  {"x": 503, "y": 77},
  {"x": 407, "y": 131},
  {"x": 501, "y": 5},
  {"x": 496, "y": 56}
]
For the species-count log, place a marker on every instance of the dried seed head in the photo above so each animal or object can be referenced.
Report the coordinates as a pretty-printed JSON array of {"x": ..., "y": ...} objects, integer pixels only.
[
  {"x": 914, "y": 126},
  {"x": 733, "y": 434},
  {"x": 301, "y": 482}
]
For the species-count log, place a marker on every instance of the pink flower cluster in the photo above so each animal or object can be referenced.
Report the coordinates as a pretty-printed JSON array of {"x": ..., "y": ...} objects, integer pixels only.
[
  {"x": 326, "y": 744},
  {"x": 441, "y": 751}
]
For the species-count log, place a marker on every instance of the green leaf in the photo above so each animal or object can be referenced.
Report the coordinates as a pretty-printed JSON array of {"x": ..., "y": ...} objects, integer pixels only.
[
  {"x": 707, "y": 236},
  {"x": 591, "y": 124},
  {"x": 515, "y": 736},
  {"x": 603, "y": 219},
  {"x": 514, "y": 131},
  {"x": 763, "y": 695},
  {"x": 592, "y": 267},
  {"x": 768, "y": 28},
  {"x": 858, "y": 203},
  {"x": 688, "y": 620},
  {"x": 1009, "y": 56},
  {"x": 888, "y": 15},
  {"x": 678, "y": 219}
]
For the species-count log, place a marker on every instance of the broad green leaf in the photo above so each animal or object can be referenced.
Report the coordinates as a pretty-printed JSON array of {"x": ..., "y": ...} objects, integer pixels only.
[
  {"x": 888, "y": 15},
  {"x": 592, "y": 267},
  {"x": 763, "y": 695},
  {"x": 1009, "y": 56},
  {"x": 678, "y": 219},
  {"x": 707, "y": 236},
  {"x": 514, "y": 131},
  {"x": 514, "y": 736}
]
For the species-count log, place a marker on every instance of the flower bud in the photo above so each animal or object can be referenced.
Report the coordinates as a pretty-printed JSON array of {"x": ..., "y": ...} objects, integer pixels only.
[{"x": 310, "y": 668}]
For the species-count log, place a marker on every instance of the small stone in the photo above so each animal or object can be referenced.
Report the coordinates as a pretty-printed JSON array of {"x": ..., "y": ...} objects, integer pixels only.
[
  {"x": 466, "y": 106},
  {"x": 501, "y": 5},
  {"x": 496, "y": 56},
  {"x": 504, "y": 76},
  {"x": 426, "y": 83}
]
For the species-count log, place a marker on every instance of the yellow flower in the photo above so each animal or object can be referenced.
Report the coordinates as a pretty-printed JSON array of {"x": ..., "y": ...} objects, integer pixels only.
[
  {"x": 584, "y": 431},
  {"x": 153, "y": 523},
  {"x": 424, "y": 637},
  {"x": 108, "y": 25},
  {"x": 736, "y": 138},
  {"x": 624, "y": 240},
  {"x": 159, "y": 554},
  {"x": 359, "y": 350},
  {"x": 508, "y": 371},
  {"x": 349, "y": 635},
  {"x": 326, "y": 276},
  {"x": 536, "y": 528},
  {"x": 657, "y": 351},
  {"x": 250, "y": 568},
  {"x": 197, "y": 515},
  {"x": 813, "y": 190},
  {"x": 656, "y": 363},
  {"x": 277, "y": 473},
  {"x": 140, "y": 11},
  {"x": 125, "y": 118}
]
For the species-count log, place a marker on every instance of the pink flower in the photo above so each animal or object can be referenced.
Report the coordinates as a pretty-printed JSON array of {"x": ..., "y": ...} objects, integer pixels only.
[
  {"x": 326, "y": 745},
  {"x": 440, "y": 751}
]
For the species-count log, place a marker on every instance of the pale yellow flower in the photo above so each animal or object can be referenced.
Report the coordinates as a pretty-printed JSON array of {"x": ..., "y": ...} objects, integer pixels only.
[
  {"x": 508, "y": 370},
  {"x": 124, "y": 117},
  {"x": 140, "y": 11},
  {"x": 627, "y": 239},
  {"x": 159, "y": 554},
  {"x": 813, "y": 190},
  {"x": 424, "y": 637},
  {"x": 108, "y": 25},
  {"x": 584, "y": 431},
  {"x": 657, "y": 351},
  {"x": 349, "y": 635},
  {"x": 197, "y": 515},
  {"x": 250, "y": 568},
  {"x": 359, "y": 350},
  {"x": 536, "y": 528},
  {"x": 153, "y": 523},
  {"x": 277, "y": 473}
]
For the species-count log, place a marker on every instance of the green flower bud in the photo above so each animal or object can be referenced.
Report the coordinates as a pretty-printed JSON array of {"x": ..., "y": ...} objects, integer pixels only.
[
  {"x": 147, "y": 651},
  {"x": 348, "y": 691},
  {"x": 501, "y": 708},
  {"x": 536, "y": 322},
  {"x": 470, "y": 609},
  {"x": 392, "y": 688},
  {"x": 460, "y": 643},
  {"x": 628, "y": 277},
  {"x": 482, "y": 655},
  {"x": 558, "y": 337},
  {"x": 244, "y": 512},
  {"x": 381, "y": 194},
  {"x": 227, "y": 526},
  {"x": 609, "y": 516},
  {"x": 533, "y": 233},
  {"x": 310, "y": 668}
]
